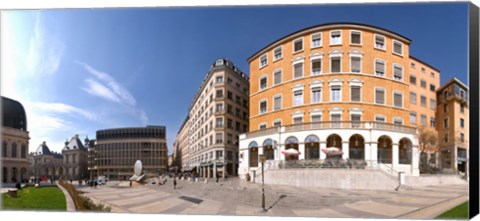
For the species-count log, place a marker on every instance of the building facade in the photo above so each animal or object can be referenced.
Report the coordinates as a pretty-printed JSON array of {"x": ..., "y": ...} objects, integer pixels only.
[
  {"x": 15, "y": 159},
  {"x": 351, "y": 86},
  {"x": 453, "y": 126},
  {"x": 116, "y": 150},
  {"x": 217, "y": 115},
  {"x": 71, "y": 163},
  {"x": 181, "y": 146}
]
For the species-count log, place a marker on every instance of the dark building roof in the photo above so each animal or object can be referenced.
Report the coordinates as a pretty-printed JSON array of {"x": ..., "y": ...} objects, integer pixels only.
[
  {"x": 74, "y": 143},
  {"x": 132, "y": 132},
  {"x": 13, "y": 114},
  {"x": 43, "y": 149}
]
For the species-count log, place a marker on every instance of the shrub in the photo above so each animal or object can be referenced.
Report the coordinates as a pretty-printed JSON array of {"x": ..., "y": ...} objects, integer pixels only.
[{"x": 83, "y": 203}]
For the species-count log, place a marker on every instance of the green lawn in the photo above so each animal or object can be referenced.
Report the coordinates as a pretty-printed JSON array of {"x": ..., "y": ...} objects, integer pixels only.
[
  {"x": 31, "y": 198},
  {"x": 458, "y": 212}
]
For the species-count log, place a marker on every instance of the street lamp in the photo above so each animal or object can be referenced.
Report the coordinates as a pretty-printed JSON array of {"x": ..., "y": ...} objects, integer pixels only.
[{"x": 262, "y": 159}]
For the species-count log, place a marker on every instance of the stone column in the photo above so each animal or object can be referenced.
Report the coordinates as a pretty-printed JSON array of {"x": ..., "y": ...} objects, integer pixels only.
[
  {"x": 415, "y": 161},
  {"x": 208, "y": 171},
  {"x": 301, "y": 148},
  {"x": 374, "y": 154},
  {"x": 367, "y": 149},
  {"x": 323, "y": 145},
  {"x": 345, "y": 149},
  {"x": 224, "y": 170},
  {"x": 395, "y": 156},
  {"x": 214, "y": 170}
]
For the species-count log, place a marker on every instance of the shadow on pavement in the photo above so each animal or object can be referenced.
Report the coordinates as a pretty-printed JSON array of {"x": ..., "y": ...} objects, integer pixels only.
[{"x": 275, "y": 203}]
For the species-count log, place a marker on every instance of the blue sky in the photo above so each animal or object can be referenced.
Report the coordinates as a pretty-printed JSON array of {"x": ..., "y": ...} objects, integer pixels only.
[{"x": 80, "y": 70}]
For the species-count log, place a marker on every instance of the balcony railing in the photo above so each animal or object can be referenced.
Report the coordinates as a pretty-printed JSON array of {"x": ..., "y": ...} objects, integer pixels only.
[{"x": 360, "y": 125}]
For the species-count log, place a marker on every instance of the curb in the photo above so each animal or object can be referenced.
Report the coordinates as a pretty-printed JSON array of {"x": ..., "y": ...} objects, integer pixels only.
[{"x": 68, "y": 199}]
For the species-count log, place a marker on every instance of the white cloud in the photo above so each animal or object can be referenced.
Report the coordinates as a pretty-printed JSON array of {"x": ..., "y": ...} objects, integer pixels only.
[
  {"x": 119, "y": 90},
  {"x": 45, "y": 52},
  {"x": 108, "y": 88},
  {"x": 97, "y": 89},
  {"x": 63, "y": 109}
]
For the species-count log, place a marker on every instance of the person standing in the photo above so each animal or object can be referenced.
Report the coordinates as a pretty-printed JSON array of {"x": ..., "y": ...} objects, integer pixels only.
[
  {"x": 130, "y": 183},
  {"x": 174, "y": 183}
]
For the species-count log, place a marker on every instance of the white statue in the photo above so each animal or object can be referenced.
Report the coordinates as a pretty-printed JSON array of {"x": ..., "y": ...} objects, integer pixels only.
[{"x": 137, "y": 171}]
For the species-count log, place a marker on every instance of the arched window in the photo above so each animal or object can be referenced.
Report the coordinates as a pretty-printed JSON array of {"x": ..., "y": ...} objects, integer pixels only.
[
  {"x": 14, "y": 150},
  {"x": 24, "y": 151},
  {"x": 356, "y": 147},
  {"x": 334, "y": 140},
  {"x": 405, "y": 151},
  {"x": 291, "y": 143},
  {"x": 312, "y": 147},
  {"x": 253, "y": 154},
  {"x": 384, "y": 149},
  {"x": 268, "y": 149},
  {"x": 4, "y": 149}
]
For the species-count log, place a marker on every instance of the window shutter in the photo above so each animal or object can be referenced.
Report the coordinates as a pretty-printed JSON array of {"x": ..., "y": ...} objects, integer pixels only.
[
  {"x": 355, "y": 93},
  {"x": 298, "y": 70},
  {"x": 335, "y": 65},
  {"x": 379, "y": 96},
  {"x": 379, "y": 66}
]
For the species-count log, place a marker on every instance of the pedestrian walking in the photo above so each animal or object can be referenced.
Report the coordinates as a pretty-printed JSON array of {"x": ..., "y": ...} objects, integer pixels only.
[
  {"x": 130, "y": 183},
  {"x": 174, "y": 183}
]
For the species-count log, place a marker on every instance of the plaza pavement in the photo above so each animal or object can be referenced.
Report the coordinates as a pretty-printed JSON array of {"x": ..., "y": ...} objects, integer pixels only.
[{"x": 235, "y": 197}]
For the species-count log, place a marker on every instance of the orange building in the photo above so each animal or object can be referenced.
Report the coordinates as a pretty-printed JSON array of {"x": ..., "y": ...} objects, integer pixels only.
[{"x": 345, "y": 85}]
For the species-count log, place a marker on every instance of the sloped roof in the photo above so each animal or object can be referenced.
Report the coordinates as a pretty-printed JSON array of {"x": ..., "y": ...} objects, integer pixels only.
[
  {"x": 13, "y": 114},
  {"x": 74, "y": 143},
  {"x": 43, "y": 149}
]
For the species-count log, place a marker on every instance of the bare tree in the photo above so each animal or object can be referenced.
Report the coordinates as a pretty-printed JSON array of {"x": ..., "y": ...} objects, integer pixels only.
[{"x": 428, "y": 143}]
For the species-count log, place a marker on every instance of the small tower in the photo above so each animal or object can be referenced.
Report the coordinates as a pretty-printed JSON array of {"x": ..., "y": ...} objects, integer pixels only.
[{"x": 87, "y": 141}]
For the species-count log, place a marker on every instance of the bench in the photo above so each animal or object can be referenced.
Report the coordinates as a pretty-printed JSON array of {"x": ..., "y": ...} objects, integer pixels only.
[{"x": 12, "y": 193}]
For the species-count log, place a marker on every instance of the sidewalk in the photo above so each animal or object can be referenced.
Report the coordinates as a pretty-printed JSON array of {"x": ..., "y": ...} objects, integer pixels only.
[{"x": 235, "y": 197}]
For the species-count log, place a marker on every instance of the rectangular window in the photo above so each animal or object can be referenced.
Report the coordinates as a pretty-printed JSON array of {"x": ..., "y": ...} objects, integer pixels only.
[
  {"x": 277, "y": 53},
  {"x": 355, "y": 64},
  {"x": 397, "y": 47},
  {"x": 445, "y": 137},
  {"x": 355, "y": 93},
  {"x": 298, "y": 45},
  {"x": 298, "y": 70},
  {"x": 219, "y": 122},
  {"x": 263, "y": 83},
  {"x": 398, "y": 99},
  {"x": 316, "y": 66},
  {"x": 218, "y": 138},
  {"x": 413, "y": 80},
  {"x": 316, "y": 40},
  {"x": 335, "y": 37},
  {"x": 263, "y": 126},
  {"x": 219, "y": 94},
  {"x": 356, "y": 118},
  {"x": 230, "y": 94},
  {"x": 413, "y": 117},
  {"x": 355, "y": 37},
  {"x": 263, "y": 107},
  {"x": 423, "y": 120},
  {"x": 335, "y": 64},
  {"x": 412, "y": 65},
  {"x": 379, "y": 96},
  {"x": 263, "y": 60},
  {"x": 413, "y": 98},
  {"x": 432, "y": 87},
  {"x": 297, "y": 98},
  {"x": 398, "y": 121},
  {"x": 397, "y": 72},
  {"x": 335, "y": 93},
  {"x": 423, "y": 84},
  {"x": 336, "y": 118},
  {"x": 219, "y": 79},
  {"x": 380, "y": 42},
  {"x": 445, "y": 123},
  {"x": 432, "y": 74},
  {"x": 316, "y": 95},
  {"x": 432, "y": 122},
  {"x": 423, "y": 70},
  {"x": 277, "y": 103},
  {"x": 444, "y": 108},
  {"x": 298, "y": 120},
  {"x": 380, "y": 118},
  {"x": 229, "y": 123},
  {"x": 462, "y": 123},
  {"x": 432, "y": 104},
  {"x": 277, "y": 123},
  {"x": 277, "y": 77},
  {"x": 462, "y": 137},
  {"x": 462, "y": 108},
  {"x": 316, "y": 118},
  {"x": 423, "y": 101},
  {"x": 379, "y": 68}
]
